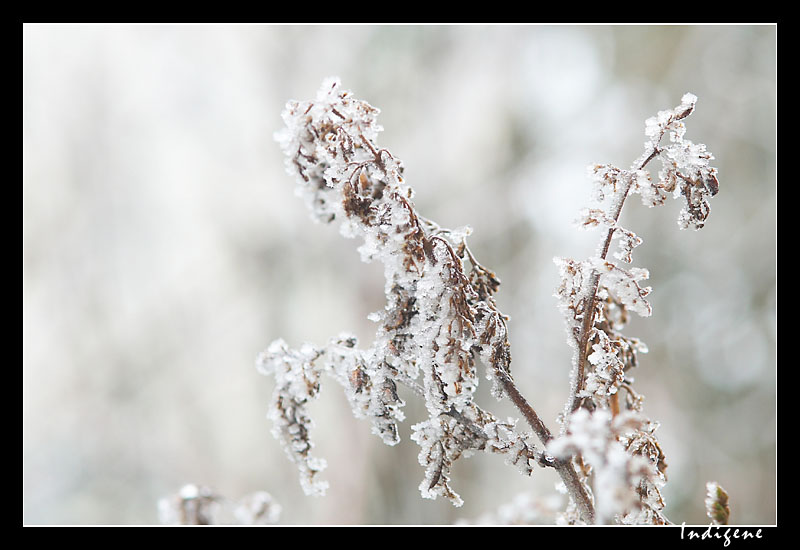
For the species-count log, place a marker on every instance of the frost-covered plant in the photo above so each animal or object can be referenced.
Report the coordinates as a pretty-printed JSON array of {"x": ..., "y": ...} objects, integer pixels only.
[
  {"x": 441, "y": 320},
  {"x": 596, "y": 297}
]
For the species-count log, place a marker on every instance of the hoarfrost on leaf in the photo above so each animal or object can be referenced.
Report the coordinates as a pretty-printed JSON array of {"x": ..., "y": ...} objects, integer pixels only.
[
  {"x": 296, "y": 385},
  {"x": 440, "y": 317},
  {"x": 686, "y": 171},
  {"x": 624, "y": 285},
  {"x": 627, "y": 242},
  {"x": 596, "y": 297},
  {"x": 620, "y": 476}
]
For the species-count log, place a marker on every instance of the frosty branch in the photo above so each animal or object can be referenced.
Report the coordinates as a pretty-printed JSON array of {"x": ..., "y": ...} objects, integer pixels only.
[
  {"x": 685, "y": 172},
  {"x": 612, "y": 443},
  {"x": 441, "y": 320}
]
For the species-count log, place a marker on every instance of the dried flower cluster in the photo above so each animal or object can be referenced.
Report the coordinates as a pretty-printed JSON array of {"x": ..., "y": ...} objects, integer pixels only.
[{"x": 440, "y": 320}]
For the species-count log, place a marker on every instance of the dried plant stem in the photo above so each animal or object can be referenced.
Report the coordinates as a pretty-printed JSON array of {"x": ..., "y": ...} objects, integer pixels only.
[
  {"x": 589, "y": 315},
  {"x": 564, "y": 468}
]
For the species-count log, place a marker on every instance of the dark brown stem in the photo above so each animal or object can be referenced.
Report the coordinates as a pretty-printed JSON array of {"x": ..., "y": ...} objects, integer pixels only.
[{"x": 565, "y": 468}]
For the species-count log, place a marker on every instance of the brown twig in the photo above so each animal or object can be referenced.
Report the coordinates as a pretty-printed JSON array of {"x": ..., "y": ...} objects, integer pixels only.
[{"x": 565, "y": 468}]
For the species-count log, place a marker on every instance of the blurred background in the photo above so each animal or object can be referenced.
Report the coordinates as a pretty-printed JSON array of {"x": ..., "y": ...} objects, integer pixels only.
[{"x": 163, "y": 249}]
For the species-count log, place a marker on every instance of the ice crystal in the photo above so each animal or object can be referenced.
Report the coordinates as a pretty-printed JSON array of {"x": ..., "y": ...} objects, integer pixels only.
[
  {"x": 369, "y": 387},
  {"x": 595, "y": 290},
  {"x": 624, "y": 285},
  {"x": 685, "y": 166},
  {"x": 627, "y": 242}
]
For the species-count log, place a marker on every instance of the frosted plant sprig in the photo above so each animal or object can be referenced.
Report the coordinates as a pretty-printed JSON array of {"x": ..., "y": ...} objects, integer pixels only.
[
  {"x": 439, "y": 321},
  {"x": 686, "y": 173},
  {"x": 620, "y": 478},
  {"x": 596, "y": 296}
]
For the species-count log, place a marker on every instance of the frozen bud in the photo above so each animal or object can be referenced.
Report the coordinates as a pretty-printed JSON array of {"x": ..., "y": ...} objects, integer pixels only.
[{"x": 716, "y": 502}]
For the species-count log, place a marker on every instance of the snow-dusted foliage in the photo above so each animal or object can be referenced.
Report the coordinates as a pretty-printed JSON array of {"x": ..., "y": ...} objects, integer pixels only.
[
  {"x": 440, "y": 321},
  {"x": 296, "y": 384},
  {"x": 685, "y": 165},
  {"x": 439, "y": 318},
  {"x": 626, "y": 468},
  {"x": 626, "y": 476}
]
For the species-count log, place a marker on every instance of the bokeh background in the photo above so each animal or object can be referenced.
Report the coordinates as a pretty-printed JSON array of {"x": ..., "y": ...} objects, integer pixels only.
[{"x": 163, "y": 248}]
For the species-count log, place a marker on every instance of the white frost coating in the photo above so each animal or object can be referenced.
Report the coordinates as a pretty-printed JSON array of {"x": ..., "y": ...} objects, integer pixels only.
[
  {"x": 590, "y": 218},
  {"x": 573, "y": 295},
  {"x": 686, "y": 171},
  {"x": 434, "y": 458},
  {"x": 688, "y": 99},
  {"x": 596, "y": 297},
  {"x": 369, "y": 387},
  {"x": 627, "y": 242},
  {"x": 439, "y": 318},
  {"x": 617, "y": 473},
  {"x": 686, "y": 174},
  {"x": 624, "y": 285},
  {"x": 608, "y": 370},
  {"x": 296, "y": 384},
  {"x": 446, "y": 438},
  {"x": 199, "y": 505}
]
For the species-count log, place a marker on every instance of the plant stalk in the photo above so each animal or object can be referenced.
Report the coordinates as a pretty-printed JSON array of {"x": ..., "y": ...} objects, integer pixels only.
[
  {"x": 565, "y": 468},
  {"x": 594, "y": 281}
]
